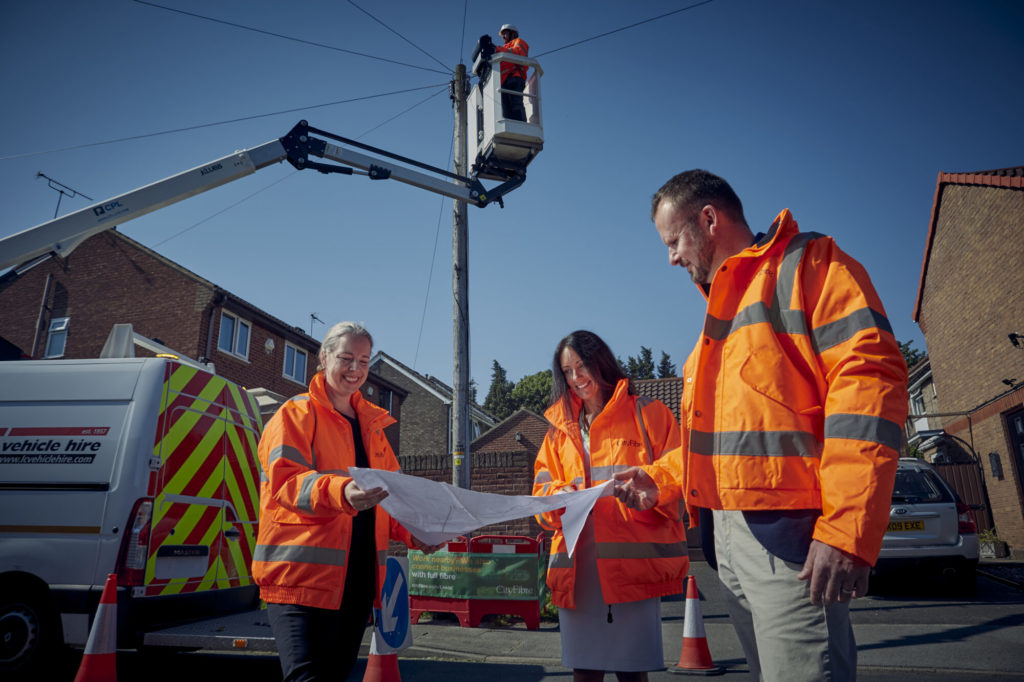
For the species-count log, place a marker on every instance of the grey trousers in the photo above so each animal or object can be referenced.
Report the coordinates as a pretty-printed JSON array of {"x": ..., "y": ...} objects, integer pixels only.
[{"x": 784, "y": 637}]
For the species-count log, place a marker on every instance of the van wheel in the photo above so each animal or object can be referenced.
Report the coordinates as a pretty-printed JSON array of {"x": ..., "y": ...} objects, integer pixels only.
[{"x": 30, "y": 640}]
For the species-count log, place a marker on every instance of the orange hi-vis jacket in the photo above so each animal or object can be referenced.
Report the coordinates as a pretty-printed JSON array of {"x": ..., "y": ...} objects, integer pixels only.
[
  {"x": 640, "y": 555},
  {"x": 305, "y": 522},
  {"x": 796, "y": 393},
  {"x": 515, "y": 46}
]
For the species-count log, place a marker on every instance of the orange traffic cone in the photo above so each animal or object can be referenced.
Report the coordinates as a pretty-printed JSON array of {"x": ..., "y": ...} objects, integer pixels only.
[
  {"x": 99, "y": 662},
  {"x": 695, "y": 658},
  {"x": 382, "y": 668}
]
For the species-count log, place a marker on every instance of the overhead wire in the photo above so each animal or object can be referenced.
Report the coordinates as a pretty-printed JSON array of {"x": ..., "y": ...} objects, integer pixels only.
[
  {"x": 286, "y": 37},
  {"x": 404, "y": 111},
  {"x": 433, "y": 258},
  {"x": 220, "y": 123},
  {"x": 625, "y": 28},
  {"x": 443, "y": 65},
  {"x": 226, "y": 209},
  {"x": 272, "y": 184}
]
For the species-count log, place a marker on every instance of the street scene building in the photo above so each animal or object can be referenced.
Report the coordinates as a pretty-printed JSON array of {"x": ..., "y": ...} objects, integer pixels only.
[{"x": 970, "y": 402}]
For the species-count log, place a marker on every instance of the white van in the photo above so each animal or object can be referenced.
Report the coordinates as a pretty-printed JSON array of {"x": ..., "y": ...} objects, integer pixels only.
[{"x": 141, "y": 467}]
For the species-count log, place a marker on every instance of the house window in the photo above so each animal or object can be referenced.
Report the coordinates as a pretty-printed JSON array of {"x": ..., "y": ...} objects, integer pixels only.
[
  {"x": 917, "y": 403},
  {"x": 57, "y": 338},
  {"x": 295, "y": 363},
  {"x": 234, "y": 335},
  {"x": 386, "y": 399}
]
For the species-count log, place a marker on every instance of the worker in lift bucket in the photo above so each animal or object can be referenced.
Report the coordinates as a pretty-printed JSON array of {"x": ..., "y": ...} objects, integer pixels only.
[{"x": 513, "y": 76}]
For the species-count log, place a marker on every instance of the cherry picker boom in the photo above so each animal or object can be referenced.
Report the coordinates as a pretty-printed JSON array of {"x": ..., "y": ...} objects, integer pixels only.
[{"x": 61, "y": 235}]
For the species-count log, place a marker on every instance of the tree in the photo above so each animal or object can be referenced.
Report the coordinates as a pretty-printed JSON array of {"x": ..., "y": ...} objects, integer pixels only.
[
  {"x": 533, "y": 392},
  {"x": 640, "y": 367},
  {"x": 645, "y": 363},
  {"x": 666, "y": 368},
  {"x": 499, "y": 397},
  {"x": 911, "y": 355}
]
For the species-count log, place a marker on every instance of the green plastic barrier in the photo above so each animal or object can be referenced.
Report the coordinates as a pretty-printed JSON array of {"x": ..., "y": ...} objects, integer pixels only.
[{"x": 464, "y": 575}]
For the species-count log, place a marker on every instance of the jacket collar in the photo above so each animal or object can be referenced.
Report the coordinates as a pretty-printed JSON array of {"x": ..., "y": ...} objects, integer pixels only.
[
  {"x": 782, "y": 230},
  {"x": 556, "y": 414},
  {"x": 367, "y": 412}
]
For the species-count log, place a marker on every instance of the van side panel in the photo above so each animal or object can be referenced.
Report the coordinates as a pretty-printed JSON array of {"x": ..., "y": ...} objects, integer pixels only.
[
  {"x": 204, "y": 512},
  {"x": 75, "y": 448}
]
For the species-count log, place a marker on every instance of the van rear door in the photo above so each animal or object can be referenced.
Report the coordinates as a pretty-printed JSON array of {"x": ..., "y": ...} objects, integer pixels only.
[{"x": 207, "y": 485}]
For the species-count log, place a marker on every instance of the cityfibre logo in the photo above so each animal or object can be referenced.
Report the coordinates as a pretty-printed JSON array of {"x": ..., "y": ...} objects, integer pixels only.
[{"x": 107, "y": 208}]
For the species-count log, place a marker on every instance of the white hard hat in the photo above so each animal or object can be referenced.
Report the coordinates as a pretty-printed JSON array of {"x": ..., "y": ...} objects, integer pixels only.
[{"x": 508, "y": 27}]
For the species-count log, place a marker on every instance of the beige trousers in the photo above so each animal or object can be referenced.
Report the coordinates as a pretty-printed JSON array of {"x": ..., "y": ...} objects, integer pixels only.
[{"x": 784, "y": 636}]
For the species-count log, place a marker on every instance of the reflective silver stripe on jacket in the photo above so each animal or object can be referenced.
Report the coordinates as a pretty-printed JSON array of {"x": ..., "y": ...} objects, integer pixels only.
[
  {"x": 545, "y": 478},
  {"x": 860, "y": 427},
  {"x": 755, "y": 443},
  {"x": 864, "y": 427},
  {"x": 786, "y": 319},
  {"x": 290, "y": 453},
  {"x": 625, "y": 550},
  {"x": 304, "y": 501},
  {"x": 604, "y": 473},
  {"x": 299, "y": 554}
]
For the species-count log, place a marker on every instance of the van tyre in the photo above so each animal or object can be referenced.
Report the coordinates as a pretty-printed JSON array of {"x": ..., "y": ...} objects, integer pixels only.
[{"x": 30, "y": 637}]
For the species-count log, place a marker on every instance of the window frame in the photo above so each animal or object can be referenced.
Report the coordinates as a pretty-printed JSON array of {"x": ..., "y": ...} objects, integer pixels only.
[
  {"x": 51, "y": 330},
  {"x": 305, "y": 363},
  {"x": 238, "y": 322}
]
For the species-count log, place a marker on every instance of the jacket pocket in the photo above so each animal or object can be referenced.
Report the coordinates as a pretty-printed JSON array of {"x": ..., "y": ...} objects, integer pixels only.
[{"x": 772, "y": 374}]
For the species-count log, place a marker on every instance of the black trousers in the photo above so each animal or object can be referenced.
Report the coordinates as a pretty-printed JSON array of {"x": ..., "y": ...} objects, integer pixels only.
[
  {"x": 512, "y": 105},
  {"x": 323, "y": 644}
]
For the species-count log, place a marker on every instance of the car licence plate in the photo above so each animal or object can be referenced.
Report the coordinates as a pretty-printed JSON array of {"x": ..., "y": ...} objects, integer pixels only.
[{"x": 897, "y": 526}]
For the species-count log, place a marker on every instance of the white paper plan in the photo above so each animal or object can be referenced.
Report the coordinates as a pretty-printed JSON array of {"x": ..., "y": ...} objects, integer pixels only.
[{"x": 437, "y": 512}]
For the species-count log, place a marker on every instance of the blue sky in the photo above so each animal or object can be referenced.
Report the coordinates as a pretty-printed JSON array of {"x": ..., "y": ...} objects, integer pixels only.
[{"x": 843, "y": 112}]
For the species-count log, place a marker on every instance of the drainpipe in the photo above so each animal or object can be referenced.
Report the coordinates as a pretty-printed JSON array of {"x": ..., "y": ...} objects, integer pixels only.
[
  {"x": 218, "y": 301},
  {"x": 42, "y": 314}
]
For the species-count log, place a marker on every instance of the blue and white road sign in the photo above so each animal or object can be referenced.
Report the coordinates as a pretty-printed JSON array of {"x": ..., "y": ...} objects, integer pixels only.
[{"x": 392, "y": 631}]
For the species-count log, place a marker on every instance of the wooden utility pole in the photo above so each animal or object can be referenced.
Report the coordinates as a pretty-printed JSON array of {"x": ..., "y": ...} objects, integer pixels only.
[{"x": 460, "y": 292}]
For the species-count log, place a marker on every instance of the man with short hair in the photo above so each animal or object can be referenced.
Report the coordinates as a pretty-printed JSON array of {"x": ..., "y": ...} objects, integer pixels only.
[
  {"x": 792, "y": 411},
  {"x": 513, "y": 76}
]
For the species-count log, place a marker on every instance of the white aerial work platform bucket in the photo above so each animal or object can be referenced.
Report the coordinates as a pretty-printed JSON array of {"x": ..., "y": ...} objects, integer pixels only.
[{"x": 499, "y": 147}]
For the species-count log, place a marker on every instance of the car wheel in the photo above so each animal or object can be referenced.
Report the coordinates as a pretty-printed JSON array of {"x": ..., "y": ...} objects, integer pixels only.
[{"x": 30, "y": 638}]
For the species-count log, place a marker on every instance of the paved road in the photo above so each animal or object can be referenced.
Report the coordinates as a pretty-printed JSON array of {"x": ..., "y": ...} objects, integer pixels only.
[{"x": 904, "y": 632}]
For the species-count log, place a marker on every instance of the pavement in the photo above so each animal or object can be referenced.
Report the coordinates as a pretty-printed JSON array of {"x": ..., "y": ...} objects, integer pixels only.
[{"x": 504, "y": 650}]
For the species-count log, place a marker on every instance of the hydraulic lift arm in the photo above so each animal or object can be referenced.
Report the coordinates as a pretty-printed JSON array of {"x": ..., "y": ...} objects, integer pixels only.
[{"x": 63, "y": 234}]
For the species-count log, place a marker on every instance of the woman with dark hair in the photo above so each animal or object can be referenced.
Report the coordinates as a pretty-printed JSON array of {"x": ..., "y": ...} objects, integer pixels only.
[{"x": 609, "y": 592}]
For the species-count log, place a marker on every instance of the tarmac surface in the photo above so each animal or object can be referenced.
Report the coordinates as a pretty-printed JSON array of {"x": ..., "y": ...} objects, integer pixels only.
[{"x": 888, "y": 651}]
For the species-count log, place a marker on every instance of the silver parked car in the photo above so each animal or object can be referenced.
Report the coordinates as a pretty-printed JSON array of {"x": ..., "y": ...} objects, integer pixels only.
[{"x": 930, "y": 529}]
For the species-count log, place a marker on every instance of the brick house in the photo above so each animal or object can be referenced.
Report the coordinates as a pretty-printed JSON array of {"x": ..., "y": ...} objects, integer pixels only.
[
  {"x": 425, "y": 426},
  {"x": 969, "y": 304},
  {"x": 924, "y": 401},
  {"x": 503, "y": 463},
  {"x": 66, "y": 308}
]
